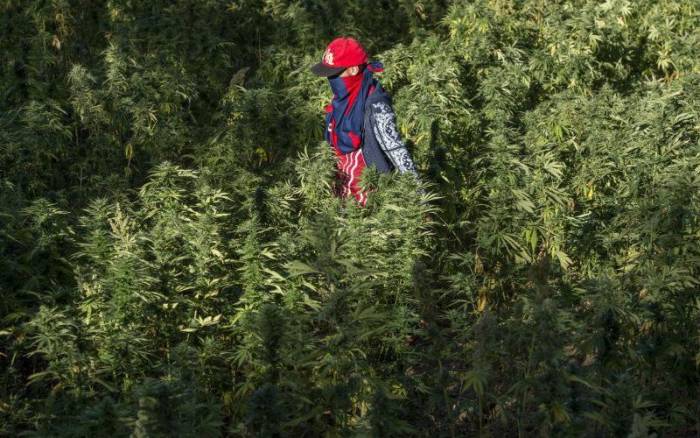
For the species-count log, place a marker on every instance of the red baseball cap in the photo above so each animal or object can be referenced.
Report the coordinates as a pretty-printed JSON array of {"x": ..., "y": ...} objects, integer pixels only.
[{"x": 340, "y": 54}]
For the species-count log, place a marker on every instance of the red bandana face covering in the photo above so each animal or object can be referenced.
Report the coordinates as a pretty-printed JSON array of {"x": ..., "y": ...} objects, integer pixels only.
[{"x": 352, "y": 85}]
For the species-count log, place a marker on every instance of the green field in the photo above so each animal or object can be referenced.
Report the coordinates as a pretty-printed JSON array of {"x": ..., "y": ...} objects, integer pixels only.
[{"x": 173, "y": 262}]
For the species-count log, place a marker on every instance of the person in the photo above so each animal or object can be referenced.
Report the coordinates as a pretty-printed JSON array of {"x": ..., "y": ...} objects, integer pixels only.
[{"x": 360, "y": 121}]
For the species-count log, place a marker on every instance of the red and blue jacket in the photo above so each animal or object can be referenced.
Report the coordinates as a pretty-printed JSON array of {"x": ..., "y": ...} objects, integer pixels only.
[{"x": 361, "y": 129}]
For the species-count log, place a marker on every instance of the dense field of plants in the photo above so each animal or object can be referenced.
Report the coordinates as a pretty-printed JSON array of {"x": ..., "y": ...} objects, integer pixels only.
[{"x": 173, "y": 263}]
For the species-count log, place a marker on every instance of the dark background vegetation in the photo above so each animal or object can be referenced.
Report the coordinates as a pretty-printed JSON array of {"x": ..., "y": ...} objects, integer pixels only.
[{"x": 172, "y": 261}]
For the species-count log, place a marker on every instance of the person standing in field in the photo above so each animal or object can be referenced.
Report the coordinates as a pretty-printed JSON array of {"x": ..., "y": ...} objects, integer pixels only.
[{"x": 360, "y": 121}]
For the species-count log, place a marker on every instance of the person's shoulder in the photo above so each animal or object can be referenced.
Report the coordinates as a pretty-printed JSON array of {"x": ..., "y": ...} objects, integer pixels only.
[
  {"x": 381, "y": 106},
  {"x": 378, "y": 95},
  {"x": 379, "y": 102}
]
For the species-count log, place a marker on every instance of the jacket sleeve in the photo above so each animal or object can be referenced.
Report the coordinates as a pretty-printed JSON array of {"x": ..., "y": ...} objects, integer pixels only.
[{"x": 383, "y": 123}]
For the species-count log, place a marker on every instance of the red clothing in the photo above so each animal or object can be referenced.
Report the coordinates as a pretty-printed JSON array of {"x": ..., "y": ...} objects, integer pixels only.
[
  {"x": 350, "y": 168},
  {"x": 350, "y": 164}
]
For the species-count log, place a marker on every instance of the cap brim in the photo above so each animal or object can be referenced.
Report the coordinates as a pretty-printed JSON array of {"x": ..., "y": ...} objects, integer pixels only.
[{"x": 321, "y": 69}]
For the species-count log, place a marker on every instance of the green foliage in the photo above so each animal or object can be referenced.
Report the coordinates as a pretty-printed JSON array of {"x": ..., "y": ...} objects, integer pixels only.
[{"x": 172, "y": 261}]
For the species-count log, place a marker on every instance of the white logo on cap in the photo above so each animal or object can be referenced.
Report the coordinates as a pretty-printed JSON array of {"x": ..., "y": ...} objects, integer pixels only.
[{"x": 328, "y": 57}]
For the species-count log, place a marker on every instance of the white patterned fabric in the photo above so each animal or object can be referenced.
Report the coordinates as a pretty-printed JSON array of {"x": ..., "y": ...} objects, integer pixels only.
[{"x": 387, "y": 136}]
